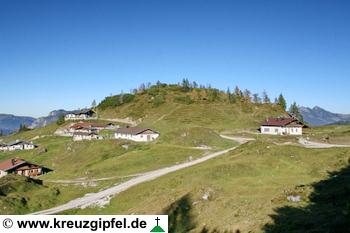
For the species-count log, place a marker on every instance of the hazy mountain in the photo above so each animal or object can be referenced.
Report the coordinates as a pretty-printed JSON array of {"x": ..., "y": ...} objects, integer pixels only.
[
  {"x": 10, "y": 123},
  {"x": 52, "y": 117},
  {"x": 317, "y": 116}
]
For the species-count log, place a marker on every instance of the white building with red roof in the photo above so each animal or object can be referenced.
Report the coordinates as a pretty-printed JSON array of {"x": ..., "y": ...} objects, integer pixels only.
[
  {"x": 282, "y": 126},
  {"x": 20, "y": 167},
  {"x": 137, "y": 134}
]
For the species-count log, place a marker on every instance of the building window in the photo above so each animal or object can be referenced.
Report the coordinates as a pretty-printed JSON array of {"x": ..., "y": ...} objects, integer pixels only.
[{"x": 266, "y": 130}]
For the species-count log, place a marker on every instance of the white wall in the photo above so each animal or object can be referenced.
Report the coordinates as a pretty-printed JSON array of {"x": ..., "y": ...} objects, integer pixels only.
[
  {"x": 15, "y": 147},
  {"x": 276, "y": 130},
  {"x": 294, "y": 130},
  {"x": 78, "y": 117},
  {"x": 87, "y": 137},
  {"x": 138, "y": 137},
  {"x": 28, "y": 146},
  {"x": 271, "y": 130},
  {"x": 2, "y": 173}
]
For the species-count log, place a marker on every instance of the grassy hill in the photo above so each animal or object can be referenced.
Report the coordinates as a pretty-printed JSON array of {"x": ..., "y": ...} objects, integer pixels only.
[
  {"x": 169, "y": 108},
  {"x": 238, "y": 191},
  {"x": 110, "y": 159},
  {"x": 242, "y": 187},
  {"x": 336, "y": 134},
  {"x": 22, "y": 194}
]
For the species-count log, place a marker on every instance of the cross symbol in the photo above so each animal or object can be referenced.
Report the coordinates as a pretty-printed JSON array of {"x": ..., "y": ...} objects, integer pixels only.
[{"x": 157, "y": 219}]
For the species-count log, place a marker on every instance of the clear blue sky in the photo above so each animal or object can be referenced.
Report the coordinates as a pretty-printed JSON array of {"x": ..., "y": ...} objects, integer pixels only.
[{"x": 65, "y": 53}]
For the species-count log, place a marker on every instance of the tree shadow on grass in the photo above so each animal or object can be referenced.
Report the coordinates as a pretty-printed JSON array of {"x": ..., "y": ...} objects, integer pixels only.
[
  {"x": 182, "y": 219},
  {"x": 180, "y": 215},
  {"x": 328, "y": 211}
]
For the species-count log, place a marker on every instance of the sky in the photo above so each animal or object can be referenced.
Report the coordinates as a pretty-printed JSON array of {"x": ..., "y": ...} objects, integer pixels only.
[{"x": 63, "y": 54}]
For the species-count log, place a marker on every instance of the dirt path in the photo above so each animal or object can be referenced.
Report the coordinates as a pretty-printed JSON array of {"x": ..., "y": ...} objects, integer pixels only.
[
  {"x": 240, "y": 140},
  {"x": 302, "y": 142},
  {"x": 97, "y": 197},
  {"x": 122, "y": 120},
  {"x": 83, "y": 180},
  {"x": 310, "y": 144},
  {"x": 165, "y": 115}
]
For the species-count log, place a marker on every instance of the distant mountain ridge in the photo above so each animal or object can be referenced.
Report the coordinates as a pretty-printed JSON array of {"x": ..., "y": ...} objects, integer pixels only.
[
  {"x": 10, "y": 123},
  {"x": 318, "y": 116},
  {"x": 52, "y": 117}
]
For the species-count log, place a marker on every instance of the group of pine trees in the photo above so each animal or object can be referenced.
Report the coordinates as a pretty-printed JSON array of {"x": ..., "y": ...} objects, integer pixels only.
[
  {"x": 23, "y": 128},
  {"x": 246, "y": 96},
  {"x": 237, "y": 95}
]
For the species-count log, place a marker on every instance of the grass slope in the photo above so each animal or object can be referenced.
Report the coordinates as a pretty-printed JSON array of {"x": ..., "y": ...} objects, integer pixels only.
[
  {"x": 336, "y": 134},
  {"x": 235, "y": 191},
  {"x": 16, "y": 193},
  {"x": 96, "y": 159}
]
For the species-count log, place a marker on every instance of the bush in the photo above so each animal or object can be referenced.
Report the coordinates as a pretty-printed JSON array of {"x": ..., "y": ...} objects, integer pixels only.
[
  {"x": 213, "y": 95},
  {"x": 117, "y": 100},
  {"x": 184, "y": 99},
  {"x": 60, "y": 120},
  {"x": 158, "y": 100},
  {"x": 153, "y": 91},
  {"x": 23, "y": 128}
]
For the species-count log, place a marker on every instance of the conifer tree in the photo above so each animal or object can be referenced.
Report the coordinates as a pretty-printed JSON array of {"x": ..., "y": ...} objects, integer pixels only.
[
  {"x": 282, "y": 102},
  {"x": 294, "y": 111},
  {"x": 256, "y": 98},
  {"x": 266, "y": 98}
]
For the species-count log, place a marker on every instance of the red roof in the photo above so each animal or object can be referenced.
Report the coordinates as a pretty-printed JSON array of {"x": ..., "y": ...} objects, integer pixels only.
[
  {"x": 10, "y": 163},
  {"x": 134, "y": 130},
  {"x": 88, "y": 125},
  {"x": 281, "y": 121},
  {"x": 16, "y": 163}
]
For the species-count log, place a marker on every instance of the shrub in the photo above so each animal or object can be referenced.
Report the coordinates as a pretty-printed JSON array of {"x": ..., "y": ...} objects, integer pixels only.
[
  {"x": 116, "y": 100},
  {"x": 60, "y": 120},
  {"x": 158, "y": 100},
  {"x": 184, "y": 99}
]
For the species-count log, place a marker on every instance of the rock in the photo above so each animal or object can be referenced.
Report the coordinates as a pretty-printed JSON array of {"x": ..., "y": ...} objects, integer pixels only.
[
  {"x": 294, "y": 198},
  {"x": 42, "y": 150},
  {"x": 206, "y": 196},
  {"x": 125, "y": 146}
]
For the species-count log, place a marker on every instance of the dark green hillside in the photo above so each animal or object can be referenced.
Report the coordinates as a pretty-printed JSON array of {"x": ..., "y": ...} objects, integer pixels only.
[{"x": 19, "y": 194}]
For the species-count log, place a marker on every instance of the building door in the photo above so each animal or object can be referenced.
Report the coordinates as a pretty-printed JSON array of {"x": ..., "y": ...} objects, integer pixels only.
[{"x": 148, "y": 137}]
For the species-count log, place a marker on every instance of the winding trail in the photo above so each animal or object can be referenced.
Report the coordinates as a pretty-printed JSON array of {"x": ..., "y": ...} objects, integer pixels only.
[
  {"x": 93, "y": 198},
  {"x": 302, "y": 142},
  {"x": 122, "y": 120},
  {"x": 315, "y": 145},
  {"x": 96, "y": 197},
  {"x": 238, "y": 139},
  {"x": 82, "y": 180}
]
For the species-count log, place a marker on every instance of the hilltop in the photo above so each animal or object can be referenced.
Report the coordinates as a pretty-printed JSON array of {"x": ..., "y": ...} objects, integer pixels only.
[{"x": 171, "y": 108}]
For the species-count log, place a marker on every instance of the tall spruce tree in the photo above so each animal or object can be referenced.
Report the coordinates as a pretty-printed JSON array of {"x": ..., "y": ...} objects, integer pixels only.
[
  {"x": 266, "y": 98},
  {"x": 256, "y": 98},
  {"x": 294, "y": 111},
  {"x": 93, "y": 104},
  {"x": 185, "y": 85},
  {"x": 282, "y": 102}
]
